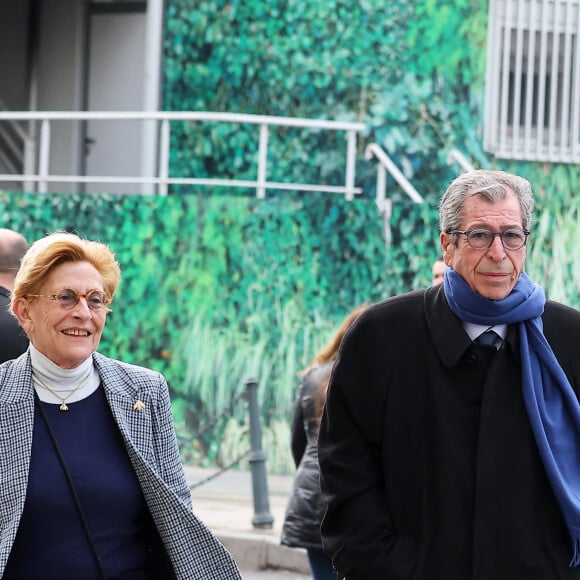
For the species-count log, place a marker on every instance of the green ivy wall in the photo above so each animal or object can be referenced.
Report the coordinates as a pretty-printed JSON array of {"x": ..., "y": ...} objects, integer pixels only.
[
  {"x": 216, "y": 289},
  {"x": 414, "y": 73},
  {"x": 218, "y": 285}
]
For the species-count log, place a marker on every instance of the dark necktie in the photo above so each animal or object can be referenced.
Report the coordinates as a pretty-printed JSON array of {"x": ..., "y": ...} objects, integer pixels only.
[{"x": 489, "y": 338}]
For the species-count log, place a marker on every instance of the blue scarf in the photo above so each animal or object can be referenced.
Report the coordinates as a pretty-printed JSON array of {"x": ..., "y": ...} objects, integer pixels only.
[{"x": 552, "y": 405}]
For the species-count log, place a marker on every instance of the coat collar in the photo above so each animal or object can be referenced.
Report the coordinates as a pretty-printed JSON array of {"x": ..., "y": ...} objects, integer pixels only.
[
  {"x": 16, "y": 381},
  {"x": 17, "y": 384},
  {"x": 446, "y": 329}
]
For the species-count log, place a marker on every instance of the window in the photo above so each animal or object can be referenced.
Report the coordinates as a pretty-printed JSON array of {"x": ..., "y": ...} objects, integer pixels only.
[{"x": 533, "y": 80}]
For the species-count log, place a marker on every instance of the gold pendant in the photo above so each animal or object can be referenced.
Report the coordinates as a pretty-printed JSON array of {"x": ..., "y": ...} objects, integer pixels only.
[{"x": 63, "y": 407}]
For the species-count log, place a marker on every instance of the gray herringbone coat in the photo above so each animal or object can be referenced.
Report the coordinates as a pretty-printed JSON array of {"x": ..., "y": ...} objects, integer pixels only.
[{"x": 149, "y": 436}]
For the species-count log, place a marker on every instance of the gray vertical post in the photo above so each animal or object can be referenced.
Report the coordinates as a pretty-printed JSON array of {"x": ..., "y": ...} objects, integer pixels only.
[{"x": 257, "y": 458}]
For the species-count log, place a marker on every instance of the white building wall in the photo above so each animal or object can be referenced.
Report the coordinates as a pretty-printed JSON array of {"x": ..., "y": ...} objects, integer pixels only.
[{"x": 60, "y": 78}]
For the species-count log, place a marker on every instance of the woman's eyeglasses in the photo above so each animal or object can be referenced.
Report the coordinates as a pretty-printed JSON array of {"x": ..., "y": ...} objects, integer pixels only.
[{"x": 95, "y": 299}]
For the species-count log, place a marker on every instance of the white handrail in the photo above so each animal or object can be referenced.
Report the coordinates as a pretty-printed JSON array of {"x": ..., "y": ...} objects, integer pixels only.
[
  {"x": 456, "y": 156},
  {"x": 182, "y": 116},
  {"x": 162, "y": 180},
  {"x": 386, "y": 163}
]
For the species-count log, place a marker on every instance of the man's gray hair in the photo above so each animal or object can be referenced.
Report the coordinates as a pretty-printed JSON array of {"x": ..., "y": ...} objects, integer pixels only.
[{"x": 493, "y": 185}]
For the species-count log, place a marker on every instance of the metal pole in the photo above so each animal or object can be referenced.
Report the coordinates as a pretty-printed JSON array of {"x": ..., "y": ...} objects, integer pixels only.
[
  {"x": 262, "y": 516},
  {"x": 350, "y": 165},
  {"x": 44, "y": 158},
  {"x": 262, "y": 162},
  {"x": 164, "y": 157},
  {"x": 153, "y": 49}
]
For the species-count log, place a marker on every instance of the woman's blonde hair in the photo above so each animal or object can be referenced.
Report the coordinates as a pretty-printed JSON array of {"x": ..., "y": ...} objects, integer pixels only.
[
  {"x": 329, "y": 353},
  {"x": 59, "y": 248},
  {"x": 330, "y": 350}
]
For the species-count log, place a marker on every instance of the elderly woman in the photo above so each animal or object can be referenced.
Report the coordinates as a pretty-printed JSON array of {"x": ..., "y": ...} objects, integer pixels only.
[{"x": 91, "y": 483}]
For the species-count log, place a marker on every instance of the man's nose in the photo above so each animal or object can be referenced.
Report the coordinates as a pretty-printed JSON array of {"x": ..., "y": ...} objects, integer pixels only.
[{"x": 496, "y": 248}]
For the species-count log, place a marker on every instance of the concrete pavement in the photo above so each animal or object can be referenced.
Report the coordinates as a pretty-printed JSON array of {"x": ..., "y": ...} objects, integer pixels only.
[{"x": 226, "y": 505}]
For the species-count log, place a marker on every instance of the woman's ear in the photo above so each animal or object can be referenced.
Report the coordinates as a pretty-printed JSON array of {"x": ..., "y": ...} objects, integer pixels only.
[{"x": 22, "y": 313}]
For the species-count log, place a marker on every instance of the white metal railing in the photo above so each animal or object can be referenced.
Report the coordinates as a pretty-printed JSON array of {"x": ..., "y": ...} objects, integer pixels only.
[
  {"x": 384, "y": 204},
  {"x": 43, "y": 176},
  {"x": 387, "y": 164},
  {"x": 455, "y": 156}
]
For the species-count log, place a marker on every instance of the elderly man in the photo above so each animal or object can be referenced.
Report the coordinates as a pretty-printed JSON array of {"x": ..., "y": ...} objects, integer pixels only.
[
  {"x": 449, "y": 447},
  {"x": 13, "y": 341}
]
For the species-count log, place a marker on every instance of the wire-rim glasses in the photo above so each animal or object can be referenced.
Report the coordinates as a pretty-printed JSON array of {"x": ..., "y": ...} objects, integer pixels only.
[
  {"x": 68, "y": 298},
  {"x": 480, "y": 239}
]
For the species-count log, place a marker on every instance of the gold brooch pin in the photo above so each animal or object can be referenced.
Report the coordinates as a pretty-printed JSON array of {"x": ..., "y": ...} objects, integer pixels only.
[{"x": 138, "y": 406}]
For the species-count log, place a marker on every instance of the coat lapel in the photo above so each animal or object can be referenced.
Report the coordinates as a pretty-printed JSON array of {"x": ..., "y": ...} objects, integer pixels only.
[
  {"x": 16, "y": 426},
  {"x": 131, "y": 409}
]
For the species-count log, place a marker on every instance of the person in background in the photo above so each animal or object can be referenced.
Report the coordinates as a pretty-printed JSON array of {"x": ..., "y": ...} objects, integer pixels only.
[
  {"x": 13, "y": 341},
  {"x": 301, "y": 527},
  {"x": 91, "y": 482},
  {"x": 450, "y": 439},
  {"x": 438, "y": 271}
]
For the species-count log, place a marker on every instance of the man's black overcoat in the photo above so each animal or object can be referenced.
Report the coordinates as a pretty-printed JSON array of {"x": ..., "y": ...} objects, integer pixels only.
[{"x": 429, "y": 465}]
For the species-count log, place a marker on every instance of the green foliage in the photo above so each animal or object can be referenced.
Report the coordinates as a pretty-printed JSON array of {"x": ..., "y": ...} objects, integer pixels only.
[
  {"x": 218, "y": 289},
  {"x": 327, "y": 59},
  {"x": 413, "y": 72},
  {"x": 279, "y": 56},
  {"x": 449, "y": 40}
]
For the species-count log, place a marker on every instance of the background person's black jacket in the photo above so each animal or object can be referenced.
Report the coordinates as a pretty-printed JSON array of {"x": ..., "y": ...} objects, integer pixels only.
[
  {"x": 305, "y": 508},
  {"x": 13, "y": 341}
]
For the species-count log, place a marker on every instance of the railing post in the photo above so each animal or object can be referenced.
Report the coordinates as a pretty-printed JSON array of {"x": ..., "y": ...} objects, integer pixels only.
[
  {"x": 29, "y": 161},
  {"x": 262, "y": 161},
  {"x": 381, "y": 186},
  {"x": 350, "y": 164},
  {"x": 44, "y": 158},
  {"x": 262, "y": 516},
  {"x": 164, "y": 157}
]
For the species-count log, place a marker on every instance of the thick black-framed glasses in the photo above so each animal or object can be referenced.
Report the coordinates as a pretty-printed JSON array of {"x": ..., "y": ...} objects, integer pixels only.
[
  {"x": 512, "y": 239},
  {"x": 67, "y": 298}
]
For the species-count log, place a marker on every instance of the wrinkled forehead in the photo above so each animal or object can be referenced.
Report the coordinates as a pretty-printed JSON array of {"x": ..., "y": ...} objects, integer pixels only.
[
  {"x": 80, "y": 277},
  {"x": 479, "y": 210}
]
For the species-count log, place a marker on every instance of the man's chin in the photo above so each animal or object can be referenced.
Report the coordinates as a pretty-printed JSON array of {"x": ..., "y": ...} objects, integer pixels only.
[{"x": 496, "y": 294}]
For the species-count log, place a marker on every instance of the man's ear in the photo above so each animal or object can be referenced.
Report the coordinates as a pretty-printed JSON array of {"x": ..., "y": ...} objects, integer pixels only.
[{"x": 446, "y": 246}]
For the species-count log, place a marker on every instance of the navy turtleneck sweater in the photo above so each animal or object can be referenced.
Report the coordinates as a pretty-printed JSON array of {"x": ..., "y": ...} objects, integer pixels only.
[{"x": 50, "y": 543}]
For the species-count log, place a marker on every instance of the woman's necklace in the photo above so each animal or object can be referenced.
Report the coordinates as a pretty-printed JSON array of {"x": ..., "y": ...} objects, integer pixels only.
[{"x": 63, "y": 406}]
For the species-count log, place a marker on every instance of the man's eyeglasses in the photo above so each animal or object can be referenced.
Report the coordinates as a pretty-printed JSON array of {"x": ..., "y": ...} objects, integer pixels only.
[
  {"x": 96, "y": 300},
  {"x": 513, "y": 239}
]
